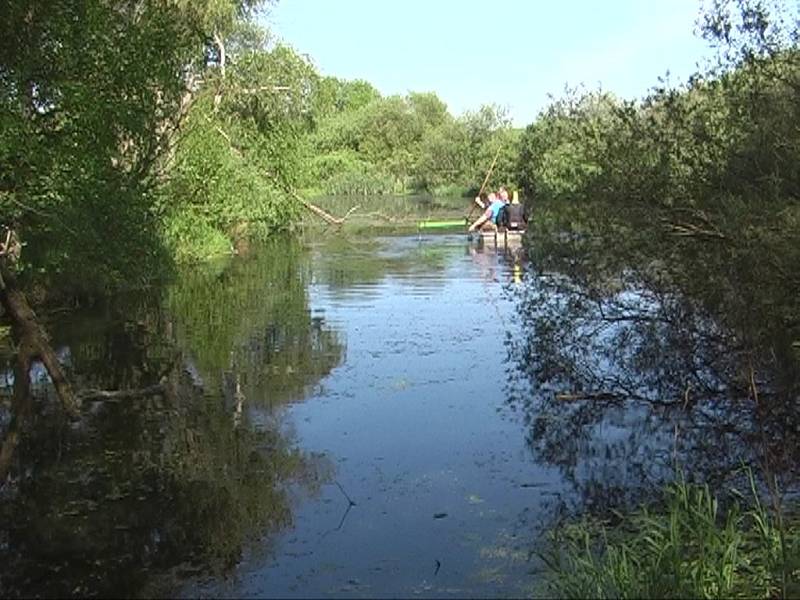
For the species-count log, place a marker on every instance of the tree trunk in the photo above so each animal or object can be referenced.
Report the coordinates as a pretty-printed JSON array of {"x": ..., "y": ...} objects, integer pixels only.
[
  {"x": 221, "y": 51},
  {"x": 21, "y": 410},
  {"x": 32, "y": 338}
]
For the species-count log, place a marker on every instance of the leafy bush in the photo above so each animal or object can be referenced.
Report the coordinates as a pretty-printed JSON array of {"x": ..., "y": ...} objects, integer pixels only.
[
  {"x": 364, "y": 182},
  {"x": 191, "y": 238}
]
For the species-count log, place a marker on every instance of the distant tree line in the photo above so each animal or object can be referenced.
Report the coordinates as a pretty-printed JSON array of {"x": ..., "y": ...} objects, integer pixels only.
[
  {"x": 135, "y": 134},
  {"x": 138, "y": 133}
]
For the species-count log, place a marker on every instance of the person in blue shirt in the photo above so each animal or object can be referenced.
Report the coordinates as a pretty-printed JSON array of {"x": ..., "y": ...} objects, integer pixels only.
[{"x": 490, "y": 214}]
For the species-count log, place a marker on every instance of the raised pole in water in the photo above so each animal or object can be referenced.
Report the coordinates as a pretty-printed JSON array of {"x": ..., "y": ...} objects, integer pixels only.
[{"x": 485, "y": 181}]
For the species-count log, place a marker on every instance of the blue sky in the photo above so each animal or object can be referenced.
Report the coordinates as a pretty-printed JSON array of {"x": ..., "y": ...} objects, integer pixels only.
[{"x": 509, "y": 52}]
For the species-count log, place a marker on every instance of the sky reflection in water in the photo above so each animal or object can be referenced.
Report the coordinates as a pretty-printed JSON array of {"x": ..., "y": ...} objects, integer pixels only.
[
  {"x": 415, "y": 421},
  {"x": 365, "y": 417}
]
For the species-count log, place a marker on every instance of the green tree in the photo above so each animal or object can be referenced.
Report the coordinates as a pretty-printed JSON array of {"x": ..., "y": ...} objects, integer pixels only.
[
  {"x": 443, "y": 158},
  {"x": 91, "y": 92},
  {"x": 243, "y": 144},
  {"x": 429, "y": 109}
]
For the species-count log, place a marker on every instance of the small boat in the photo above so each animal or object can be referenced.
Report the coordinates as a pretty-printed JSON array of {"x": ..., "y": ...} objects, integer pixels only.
[
  {"x": 501, "y": 237},
  {"x": 494, "y": 236}
]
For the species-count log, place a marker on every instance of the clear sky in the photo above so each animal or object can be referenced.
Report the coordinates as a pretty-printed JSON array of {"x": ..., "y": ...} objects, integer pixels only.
[{"x": 509, "y": 52}]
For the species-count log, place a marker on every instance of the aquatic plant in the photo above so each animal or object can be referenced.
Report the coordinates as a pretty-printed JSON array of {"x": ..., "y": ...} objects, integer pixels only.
[{"x": 692, "y": 547}]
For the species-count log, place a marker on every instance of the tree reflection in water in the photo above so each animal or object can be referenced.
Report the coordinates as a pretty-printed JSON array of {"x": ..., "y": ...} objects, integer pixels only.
[
  {"x": 176, "y": 482},
  {"x": 630, "y": 367}
]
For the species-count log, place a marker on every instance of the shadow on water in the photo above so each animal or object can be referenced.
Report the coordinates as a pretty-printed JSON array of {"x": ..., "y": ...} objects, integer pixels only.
[
  {"x": 633, "y": 367},
  {"x": 176, "y": 481}
]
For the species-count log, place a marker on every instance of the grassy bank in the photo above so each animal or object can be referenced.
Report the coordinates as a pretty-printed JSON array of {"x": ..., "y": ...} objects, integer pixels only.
[{"x": 691, "y": 546}]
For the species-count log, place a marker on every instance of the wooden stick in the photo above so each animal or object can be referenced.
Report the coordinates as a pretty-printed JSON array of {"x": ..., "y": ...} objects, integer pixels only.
[
  {"x": 485, "y": 180},
  {"x": 489, "y": 173},
  {"x": 118, "y": 395}
]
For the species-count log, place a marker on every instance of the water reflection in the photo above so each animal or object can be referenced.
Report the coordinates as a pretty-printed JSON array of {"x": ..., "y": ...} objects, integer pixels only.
[
  {"x": 249, "y": 327},
  {"x": 176, "y": 481},
  {"x": 445, "y": 493},
  {"x": 627, "y": 372},
  {"x": 352, "y": 266},
  {"x": 396, "y": 347}
]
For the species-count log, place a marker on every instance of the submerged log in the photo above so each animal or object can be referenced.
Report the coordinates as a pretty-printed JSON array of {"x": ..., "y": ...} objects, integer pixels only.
[{"x": 119, "y": 395}]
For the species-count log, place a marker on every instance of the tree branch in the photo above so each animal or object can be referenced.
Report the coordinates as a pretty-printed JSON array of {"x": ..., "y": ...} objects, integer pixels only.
[
  {"x": 326, "y": 216},
  {"x": 32, "y": 338},
  {"x": 118, "y": 395}
]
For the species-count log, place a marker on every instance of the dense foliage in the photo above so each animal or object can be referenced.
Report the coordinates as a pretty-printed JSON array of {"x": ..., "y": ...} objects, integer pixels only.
[
  {"x": 670, "y": 228},
  {"x": 241, "y": 146},
  {"x": 94, "y": 98},
  {"x": 139, "y": 133},
  {"x": 367, "y": 144},
  {"x": 705, "y": 177},
  {"x": 88, "y": 95}
]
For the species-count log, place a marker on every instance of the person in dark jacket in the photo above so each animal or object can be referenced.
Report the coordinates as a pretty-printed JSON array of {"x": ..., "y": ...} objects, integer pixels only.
[{"x": 515, "y": 215}]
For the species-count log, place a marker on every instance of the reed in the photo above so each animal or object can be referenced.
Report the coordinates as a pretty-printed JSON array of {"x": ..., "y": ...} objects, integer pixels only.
[{"x": 690, "y": 548}]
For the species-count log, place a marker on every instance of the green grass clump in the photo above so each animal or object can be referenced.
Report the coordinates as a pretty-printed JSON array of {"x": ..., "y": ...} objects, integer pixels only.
[
  {"x": 193, "y": 239},
  {"x": 691, "y": 548}
]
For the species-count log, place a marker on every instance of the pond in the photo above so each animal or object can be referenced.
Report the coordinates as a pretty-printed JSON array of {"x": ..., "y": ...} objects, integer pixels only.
[{"x": 353, "y": 416}]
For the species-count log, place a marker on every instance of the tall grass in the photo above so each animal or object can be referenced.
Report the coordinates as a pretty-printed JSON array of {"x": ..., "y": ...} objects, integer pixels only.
[{"x": 690, "y": 548}]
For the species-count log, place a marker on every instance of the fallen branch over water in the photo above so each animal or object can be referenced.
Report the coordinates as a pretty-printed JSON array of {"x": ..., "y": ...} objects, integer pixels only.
[
  {"x": 119, "y": 395},
  {"x": 326, "y": 216}
]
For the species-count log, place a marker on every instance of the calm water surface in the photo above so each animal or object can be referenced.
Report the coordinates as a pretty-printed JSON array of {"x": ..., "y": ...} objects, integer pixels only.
[
  {"x": 446, "y": 495},
  {"x": 334, "y": 423},
  {"x": 366, "y": 416}
]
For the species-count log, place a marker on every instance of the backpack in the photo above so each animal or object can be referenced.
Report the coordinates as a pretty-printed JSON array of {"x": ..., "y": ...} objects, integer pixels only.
[
  {"x": 502, "y": 216},
  {"x": 514, "y": 216}
]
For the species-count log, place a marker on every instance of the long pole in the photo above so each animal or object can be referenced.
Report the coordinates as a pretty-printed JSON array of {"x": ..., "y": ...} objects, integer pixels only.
[
  {"x": 485, "y": 180},
  {"x": 489, "y": 172}
]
